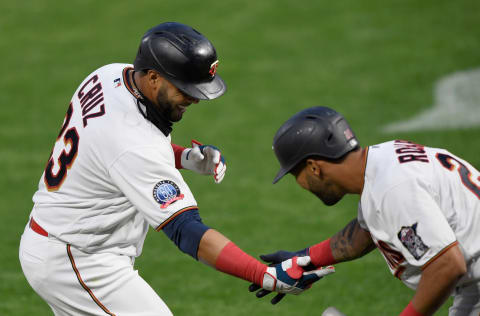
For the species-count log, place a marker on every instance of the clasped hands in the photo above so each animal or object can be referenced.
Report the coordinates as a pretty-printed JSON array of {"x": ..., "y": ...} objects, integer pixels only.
[{"x": 288, "y": 273}]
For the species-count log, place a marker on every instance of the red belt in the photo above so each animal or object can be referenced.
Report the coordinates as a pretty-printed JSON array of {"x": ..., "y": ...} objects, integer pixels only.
[{"x": 37, "y": 228}]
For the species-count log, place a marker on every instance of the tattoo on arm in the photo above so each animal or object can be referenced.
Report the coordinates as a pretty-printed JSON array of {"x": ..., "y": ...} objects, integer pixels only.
[{"x": 351, "y": 242}]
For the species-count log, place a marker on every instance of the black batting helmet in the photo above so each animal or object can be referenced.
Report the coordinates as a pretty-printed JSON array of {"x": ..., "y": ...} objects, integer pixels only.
[
  {"x": 184, "y": 57},
  {"x": 317, "y": 131}
]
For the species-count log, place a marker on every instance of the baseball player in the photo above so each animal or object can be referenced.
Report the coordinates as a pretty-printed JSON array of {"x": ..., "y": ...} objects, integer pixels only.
[
  {"x": 419, "y": 206},
  {"x": 113, "y": 172}
]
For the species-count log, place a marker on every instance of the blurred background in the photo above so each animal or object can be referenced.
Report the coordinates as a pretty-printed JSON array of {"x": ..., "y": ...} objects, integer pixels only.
[{"x": 395, "y": 69}]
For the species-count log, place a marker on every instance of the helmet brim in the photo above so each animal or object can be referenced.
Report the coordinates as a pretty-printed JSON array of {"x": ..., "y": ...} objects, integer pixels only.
[
  {"x": 280, "y": 175},
  {"x": 202, "y": 90}
]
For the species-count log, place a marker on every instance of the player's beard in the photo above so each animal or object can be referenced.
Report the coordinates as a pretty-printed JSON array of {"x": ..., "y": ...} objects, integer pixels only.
[
  {"x": 325, "y": 190},
  {"x": 173, "y": 112}
]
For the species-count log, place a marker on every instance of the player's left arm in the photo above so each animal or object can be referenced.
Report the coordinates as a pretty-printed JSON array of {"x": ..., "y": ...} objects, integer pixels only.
[
  {"x": 438, "y": 279},
  {"x": 207, "y": 245},
  {"x": 419, "y": 230},
  {"x": 202, "y": 159}
]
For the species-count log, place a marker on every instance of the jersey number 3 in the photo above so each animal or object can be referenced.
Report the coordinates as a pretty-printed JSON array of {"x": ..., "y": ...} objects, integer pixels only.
[
  {"x": 465, "y": 174},
  {"x": 54, "y": 180}
]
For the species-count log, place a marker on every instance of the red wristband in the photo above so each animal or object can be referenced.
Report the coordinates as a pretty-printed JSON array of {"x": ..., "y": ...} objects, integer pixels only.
[
  {"x": 321, "y": 254},
  {"x": 234, "y": 261},
  {"x": 177, "y": 151},
  {"x": 410, "y": 311}
]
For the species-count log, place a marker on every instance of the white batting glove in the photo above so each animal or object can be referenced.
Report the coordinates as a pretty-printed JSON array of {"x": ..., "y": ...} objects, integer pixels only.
[
  {"x": 289, "y": 277},
  {"x": 204, "y": 159}
]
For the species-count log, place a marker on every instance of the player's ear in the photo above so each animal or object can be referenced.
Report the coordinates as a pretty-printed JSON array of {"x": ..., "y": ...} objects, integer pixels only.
[
  {"x": 153, "y": 78},
  {"x": 314, "y": 167}
]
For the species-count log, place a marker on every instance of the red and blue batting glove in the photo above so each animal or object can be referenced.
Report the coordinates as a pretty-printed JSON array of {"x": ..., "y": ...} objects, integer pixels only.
[
  {"x": 283, "y": 255},
  {"x": 289, "y": 277},
  {"x": 204, "y": 159}
]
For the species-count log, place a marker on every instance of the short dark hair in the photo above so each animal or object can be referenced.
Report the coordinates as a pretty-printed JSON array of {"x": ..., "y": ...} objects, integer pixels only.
[{"x": 303, "y": 162}]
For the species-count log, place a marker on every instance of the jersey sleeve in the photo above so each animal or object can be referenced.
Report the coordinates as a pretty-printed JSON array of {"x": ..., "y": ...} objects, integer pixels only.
[
  {"x": 148, "y": 178},
  {"x": 361, "y": 218},
  {"x": 414, "y": 223}
]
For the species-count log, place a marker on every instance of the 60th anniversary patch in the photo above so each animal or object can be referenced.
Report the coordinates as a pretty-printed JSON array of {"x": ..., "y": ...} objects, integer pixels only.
[{"x": 166, "y": 192}]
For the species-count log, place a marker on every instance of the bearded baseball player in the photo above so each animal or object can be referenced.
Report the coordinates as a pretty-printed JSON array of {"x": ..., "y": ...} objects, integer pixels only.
[
  {"x": 419, "y": 206},
  {"x": 113, "y": 172}
]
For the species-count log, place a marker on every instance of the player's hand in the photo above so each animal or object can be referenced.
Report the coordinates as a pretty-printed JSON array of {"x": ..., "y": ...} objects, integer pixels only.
[
  {"x": 274, "y": 258},
  {"x": 204, "y": 159},
  {"x": 289, "y": 277},
  {"x": 282, "y": 255}
]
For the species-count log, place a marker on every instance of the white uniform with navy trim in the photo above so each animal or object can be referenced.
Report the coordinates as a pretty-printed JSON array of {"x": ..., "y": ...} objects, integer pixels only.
[
  {"x": 417, "y": 202},
  {"x": 110, "y": 176}
]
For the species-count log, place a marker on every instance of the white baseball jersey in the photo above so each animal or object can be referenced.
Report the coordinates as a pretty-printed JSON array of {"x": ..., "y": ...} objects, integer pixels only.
[
  {"x": 111, "y": 173},
  {"x": 417, "y": 202}
]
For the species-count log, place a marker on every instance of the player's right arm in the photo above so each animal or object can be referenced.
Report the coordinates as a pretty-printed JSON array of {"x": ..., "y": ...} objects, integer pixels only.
[
  {"x": 202, "y": 159},
  {"x": 350, "y": 243}
]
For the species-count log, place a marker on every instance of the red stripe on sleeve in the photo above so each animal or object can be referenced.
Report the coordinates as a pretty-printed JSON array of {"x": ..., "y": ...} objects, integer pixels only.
[
  {"x": 163, "y": 224},
  {"x": 232, "y": 260},
  {"x": 177, "y": 151},
  {"x": 439, "y": 254},
  {"x": 321, "y": 254},
  {"x": 410, "y": 311}
]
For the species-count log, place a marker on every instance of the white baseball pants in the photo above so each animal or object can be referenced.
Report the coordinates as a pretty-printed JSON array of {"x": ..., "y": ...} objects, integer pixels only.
[{"x": 76, "y": 283}]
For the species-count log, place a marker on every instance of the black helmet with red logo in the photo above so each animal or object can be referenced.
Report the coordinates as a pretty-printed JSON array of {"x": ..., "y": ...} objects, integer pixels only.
[
  {"x": 184, "y": 57},
  {"x": 316, "y": 131}
]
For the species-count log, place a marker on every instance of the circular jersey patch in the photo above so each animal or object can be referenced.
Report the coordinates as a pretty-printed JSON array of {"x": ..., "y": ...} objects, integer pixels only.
[{"x": 166, "y": 192}]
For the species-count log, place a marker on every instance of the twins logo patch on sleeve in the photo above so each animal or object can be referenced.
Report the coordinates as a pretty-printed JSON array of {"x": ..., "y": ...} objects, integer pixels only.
[
  {"x": 166, "y": 192},
  {"x": 414, "y": 244}
]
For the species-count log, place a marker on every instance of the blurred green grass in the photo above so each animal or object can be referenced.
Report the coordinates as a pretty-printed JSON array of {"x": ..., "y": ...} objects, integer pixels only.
[{"x": 374, "y": 61}]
